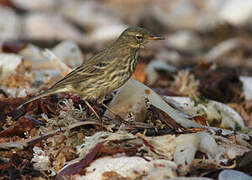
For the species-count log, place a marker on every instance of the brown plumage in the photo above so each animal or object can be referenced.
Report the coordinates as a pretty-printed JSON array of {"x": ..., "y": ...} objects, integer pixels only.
[{"x": 105, "y": 71}]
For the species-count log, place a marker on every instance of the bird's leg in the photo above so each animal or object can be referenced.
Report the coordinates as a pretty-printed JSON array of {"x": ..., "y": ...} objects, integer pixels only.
[
  {"x": 116, "y": 115},
  {"x": 109, "y": 109},
  {"x": 92, "y": 109}
]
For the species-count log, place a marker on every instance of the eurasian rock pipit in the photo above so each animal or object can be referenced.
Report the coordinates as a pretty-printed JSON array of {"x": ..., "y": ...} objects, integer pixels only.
[{"x": 106, "y": 70}]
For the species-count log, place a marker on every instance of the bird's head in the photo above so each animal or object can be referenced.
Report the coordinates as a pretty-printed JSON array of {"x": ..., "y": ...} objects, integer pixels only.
[{"x": 136, "y": 37}]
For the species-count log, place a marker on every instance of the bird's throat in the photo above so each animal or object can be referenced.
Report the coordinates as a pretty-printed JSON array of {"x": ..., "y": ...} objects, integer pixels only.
[{"x": 132, "y": 62}]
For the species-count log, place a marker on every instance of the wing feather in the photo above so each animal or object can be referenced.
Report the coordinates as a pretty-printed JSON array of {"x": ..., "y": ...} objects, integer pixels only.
[{"x": 92, "y": 67}]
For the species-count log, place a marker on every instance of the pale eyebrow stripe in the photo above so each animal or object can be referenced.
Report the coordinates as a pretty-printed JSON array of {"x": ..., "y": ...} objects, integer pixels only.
[{"x": 132, "y": 33}]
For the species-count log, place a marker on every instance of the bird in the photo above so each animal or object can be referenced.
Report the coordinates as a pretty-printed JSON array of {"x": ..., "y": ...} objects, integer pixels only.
[{"x": 104, "y": 72}]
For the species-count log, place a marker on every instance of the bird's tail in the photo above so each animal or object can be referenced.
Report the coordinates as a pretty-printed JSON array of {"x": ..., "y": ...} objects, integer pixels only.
[{"x": 43, "y": 94}]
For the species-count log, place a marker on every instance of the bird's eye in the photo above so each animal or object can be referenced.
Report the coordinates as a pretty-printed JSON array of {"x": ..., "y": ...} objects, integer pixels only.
[{"x": 139, "y": 37}]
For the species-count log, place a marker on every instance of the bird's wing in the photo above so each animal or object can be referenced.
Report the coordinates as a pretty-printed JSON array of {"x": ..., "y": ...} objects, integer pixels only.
[{"x": 93, "y": 67}]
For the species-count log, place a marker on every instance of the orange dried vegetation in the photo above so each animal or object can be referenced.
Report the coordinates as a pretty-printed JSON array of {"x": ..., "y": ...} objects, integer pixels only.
[
  {"x": 139, "y": 73},
  {"x": 18, "y": 78}
]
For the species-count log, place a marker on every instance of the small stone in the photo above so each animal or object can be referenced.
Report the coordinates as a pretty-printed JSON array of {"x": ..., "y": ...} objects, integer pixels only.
[
  {"x": 69, "y": 53},
  {"x": 184, "y": 40},
  {"x": 10, "y": 24},
  {"x": 233, "y": 175},
  {"x": 35, "y": 5},
  {"x": 49, "y": 26}
]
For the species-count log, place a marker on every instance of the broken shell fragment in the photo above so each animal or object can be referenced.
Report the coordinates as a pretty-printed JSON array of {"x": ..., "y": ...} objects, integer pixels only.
[
  {"x": 134, "y": 94},
  {"x": 9, "y": 63},
  {"x": 216, "y": 113}
]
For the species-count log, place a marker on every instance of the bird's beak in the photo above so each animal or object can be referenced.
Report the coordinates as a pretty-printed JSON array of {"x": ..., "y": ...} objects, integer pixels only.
[{"x": 156, "y": 38}]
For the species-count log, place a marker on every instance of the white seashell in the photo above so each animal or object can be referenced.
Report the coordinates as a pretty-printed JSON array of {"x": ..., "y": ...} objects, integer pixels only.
[
  {"x": 129, "y": 167},
  {"x": 241, "y": 12},
  {"x": 133, "y": 93},
  {"x": 9, "y": 62},
  {"x": 212, "y": 110},
  {"x": 247, "y": 86}
]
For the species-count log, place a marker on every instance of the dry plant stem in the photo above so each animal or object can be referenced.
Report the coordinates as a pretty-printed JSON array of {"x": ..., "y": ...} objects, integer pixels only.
[
  {"x": 34, "y": 140},
  {"x": 92, "y": 109}
]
